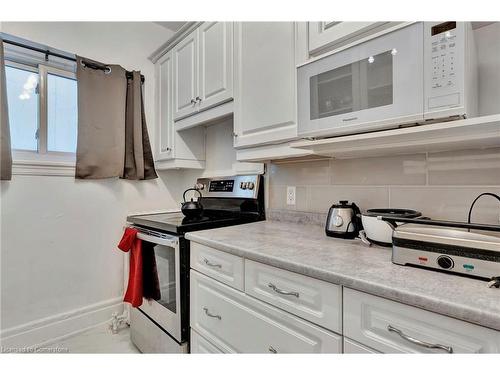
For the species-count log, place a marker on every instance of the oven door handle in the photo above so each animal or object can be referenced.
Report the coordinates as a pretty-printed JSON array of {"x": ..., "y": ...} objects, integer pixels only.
[{"x": 170, "y": 242}]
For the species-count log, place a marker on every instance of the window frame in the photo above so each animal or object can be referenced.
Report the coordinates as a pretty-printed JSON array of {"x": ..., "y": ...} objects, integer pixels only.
[{"x": 42, "y": 161}]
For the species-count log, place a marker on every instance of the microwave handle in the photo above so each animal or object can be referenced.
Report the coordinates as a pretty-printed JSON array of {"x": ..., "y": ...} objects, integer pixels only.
[{"x": 170, "y": 242}]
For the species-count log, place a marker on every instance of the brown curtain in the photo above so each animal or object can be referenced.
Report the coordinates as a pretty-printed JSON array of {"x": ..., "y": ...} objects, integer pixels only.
[
  {"x": 5, "y": 150},
  {"x": 112, "y": 134}
]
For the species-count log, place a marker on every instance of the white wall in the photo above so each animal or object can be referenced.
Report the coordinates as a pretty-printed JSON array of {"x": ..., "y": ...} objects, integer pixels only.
[{"x": 59, "y": 235}]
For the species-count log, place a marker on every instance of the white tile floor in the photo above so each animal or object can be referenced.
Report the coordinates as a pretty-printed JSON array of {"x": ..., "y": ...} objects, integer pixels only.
[{"x": 98, "y": 340}]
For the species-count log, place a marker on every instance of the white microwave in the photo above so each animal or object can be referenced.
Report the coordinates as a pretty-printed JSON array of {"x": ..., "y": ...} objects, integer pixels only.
[{"x": 419, "y": 73}]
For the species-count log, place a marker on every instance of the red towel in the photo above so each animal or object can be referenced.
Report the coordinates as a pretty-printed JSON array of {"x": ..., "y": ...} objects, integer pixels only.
[{"x": 129, "y": 241}]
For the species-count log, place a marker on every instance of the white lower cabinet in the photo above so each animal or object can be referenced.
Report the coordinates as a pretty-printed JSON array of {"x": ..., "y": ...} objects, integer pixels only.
[
  {"x": 224, "y": 267},
  {"x": 392, "y": 327},
  {"x": 314, "y": 300},
  {"x": 353, "y": 347},
  {"x": 200, "y": 345},
  {"x": 238, "y": 323}
]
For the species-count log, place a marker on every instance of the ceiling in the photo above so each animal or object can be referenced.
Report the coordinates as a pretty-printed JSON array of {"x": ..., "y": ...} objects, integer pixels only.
[{"x": 171, "y": 25}]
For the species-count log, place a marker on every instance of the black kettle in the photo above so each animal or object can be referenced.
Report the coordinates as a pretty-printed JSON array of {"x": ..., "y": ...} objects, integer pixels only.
[{"x": 191, "y": 209}]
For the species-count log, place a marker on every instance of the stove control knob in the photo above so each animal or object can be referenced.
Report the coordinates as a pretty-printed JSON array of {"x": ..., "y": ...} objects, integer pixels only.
[
  {"x": 243, "y": 185},
  {"x": 250, "y": 185},
  {"x": 199, "y": 186},
  {"x": 445, "y": 262}
]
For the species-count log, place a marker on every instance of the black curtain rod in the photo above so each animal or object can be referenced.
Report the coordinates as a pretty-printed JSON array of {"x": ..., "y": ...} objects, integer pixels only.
[{"x": 55, "y": 54}]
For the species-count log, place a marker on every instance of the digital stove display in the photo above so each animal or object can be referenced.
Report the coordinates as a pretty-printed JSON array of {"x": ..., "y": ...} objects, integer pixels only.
[{"x": 221, "y": 185}]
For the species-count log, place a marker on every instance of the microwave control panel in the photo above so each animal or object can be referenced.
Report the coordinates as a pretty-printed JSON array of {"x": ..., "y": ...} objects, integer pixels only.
[
  {"x": 446, "y": 66},
  {"x": 443, "y": 55}
]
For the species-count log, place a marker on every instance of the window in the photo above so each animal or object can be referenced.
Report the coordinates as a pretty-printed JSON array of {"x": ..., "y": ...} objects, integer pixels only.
[
  {"x": 42, "y": 112},
  {"x": 23, "y": 107}
]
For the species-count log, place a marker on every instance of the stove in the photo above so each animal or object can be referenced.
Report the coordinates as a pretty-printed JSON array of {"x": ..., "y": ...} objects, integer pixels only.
[{"x": 163, "y": 326}]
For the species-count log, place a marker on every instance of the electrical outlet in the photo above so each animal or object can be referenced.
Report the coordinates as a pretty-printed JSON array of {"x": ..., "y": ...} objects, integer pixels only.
[{"x": 290, "y": 195}]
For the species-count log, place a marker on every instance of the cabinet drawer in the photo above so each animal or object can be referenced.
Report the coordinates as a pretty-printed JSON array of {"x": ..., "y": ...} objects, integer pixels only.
[
  {"x": 353, "y": 347},
  {"x": 312, "y": 299},
  {"x": 236, "y": 322},
  {"x": 200, "y": 345},
  {"x": 392, "y": 327},
  {"x": 225, "y": 267}
]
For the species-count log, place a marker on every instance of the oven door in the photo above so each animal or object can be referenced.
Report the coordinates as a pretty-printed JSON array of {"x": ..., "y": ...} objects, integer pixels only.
[
  {"x": 370, "y": 86},
  {"x": 166, "y": 312}
]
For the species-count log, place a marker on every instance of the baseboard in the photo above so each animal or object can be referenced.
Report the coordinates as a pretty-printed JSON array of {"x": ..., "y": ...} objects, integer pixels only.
[{"x": 59, "y": 326}]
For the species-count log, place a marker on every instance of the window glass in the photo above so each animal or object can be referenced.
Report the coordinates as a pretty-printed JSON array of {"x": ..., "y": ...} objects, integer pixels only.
[
  {"x": 23, "y": 108},
  {"x": 62, "y": 113}
]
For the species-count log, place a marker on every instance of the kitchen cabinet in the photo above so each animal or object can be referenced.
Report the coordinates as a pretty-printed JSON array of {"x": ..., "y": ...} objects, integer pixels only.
[
  {"x": 314, "y": 300},
  {"x": 286, "y": 312},
  {"x": 203, "y": 69},
  {"x": 174, "y": 149},
  {"x": 322, "y": 35},
  {"x": 392, "y": 327},
  {"x": 199, "y": 345},
  {"x": 265, "y": 95},
  {"x": 215, "y": 63},
  {"x": 237, "y": 323},
  {"x": 221, "y": 266},
  {"x": 186, "y": 76},
  {"x": 353, "y": 347}
]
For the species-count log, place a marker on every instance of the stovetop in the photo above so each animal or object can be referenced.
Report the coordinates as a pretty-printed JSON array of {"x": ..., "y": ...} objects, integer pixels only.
[
  {"x": 226, "y": 201},
  {"x": 176, "y": 222}
]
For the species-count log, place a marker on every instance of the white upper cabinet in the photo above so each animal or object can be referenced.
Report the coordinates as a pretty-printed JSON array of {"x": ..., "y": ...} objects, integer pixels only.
[
  {"x": 215, "y": 61},
  {"x": 324, "y": 35},
  {"x": 203, "y": 70},
  {"x": 164, "y": 132},
  {"x": 174, "y": 149},
  {"x": 265, "y": 103},
  {"x": 186, "y": 76}
]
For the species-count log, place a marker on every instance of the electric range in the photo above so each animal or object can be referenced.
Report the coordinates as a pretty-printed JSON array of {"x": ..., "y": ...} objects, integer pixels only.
[{"x": 163, "y": 326}]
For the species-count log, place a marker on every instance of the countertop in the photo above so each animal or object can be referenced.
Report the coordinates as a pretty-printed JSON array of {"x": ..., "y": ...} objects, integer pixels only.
[{"x": 306, "y": 249}]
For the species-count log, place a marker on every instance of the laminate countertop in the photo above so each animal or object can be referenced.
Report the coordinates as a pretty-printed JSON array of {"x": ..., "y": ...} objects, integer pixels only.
[{"x": 305, "y": 249}]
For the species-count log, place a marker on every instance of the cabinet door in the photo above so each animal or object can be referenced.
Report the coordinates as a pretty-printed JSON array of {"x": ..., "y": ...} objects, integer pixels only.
[
  {"x": 265, "y": 83},
  {"x": 392, "y": 327},
  {"x": 164, "y": 125},
  {"x": 186, "y": 76},
  {"x": 327, "y": 34},
  {"x": 200, "y": 345},
  {"x": 215, "y": 63},
  {"x": 235, "y": 322}
]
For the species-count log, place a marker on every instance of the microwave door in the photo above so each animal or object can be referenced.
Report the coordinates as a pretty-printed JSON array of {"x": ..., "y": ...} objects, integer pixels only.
[
  {"x": 166, "y": 312},
  {"x": 373, "y": 85}
]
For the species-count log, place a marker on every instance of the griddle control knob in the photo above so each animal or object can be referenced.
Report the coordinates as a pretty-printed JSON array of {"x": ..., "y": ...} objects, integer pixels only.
[
  {"x": 251, "y": 185},
  {"x": 445, "y": 262}
]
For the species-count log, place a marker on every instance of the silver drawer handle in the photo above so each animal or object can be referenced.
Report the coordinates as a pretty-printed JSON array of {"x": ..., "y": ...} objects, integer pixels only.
[
  {"x": 272, "y": 350},
  {"x": 211, "y": 315},
  {"x": 208, "y": 263},
  {"x": 349, "y": 119},
  {"x": 413, "y": 340},
  {"x": 281, "y": 291}
]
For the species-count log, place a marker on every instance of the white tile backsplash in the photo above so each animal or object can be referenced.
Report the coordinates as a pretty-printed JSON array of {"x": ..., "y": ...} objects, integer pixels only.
[
  {"x": 440, "y": 185},
  {"x": 397, "y": 170}
]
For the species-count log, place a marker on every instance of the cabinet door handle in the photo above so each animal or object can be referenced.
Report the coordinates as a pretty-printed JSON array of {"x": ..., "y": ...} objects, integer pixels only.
[
  {"x": 272, "y": 350},
  {"x": 415, "y": 341},
  {"x": 281, "y": 291},
  {"x": 207, "y": 313},
  {"x": 208, "y": 263}
]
